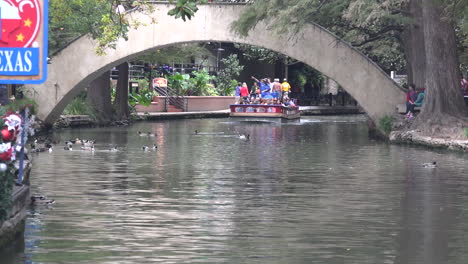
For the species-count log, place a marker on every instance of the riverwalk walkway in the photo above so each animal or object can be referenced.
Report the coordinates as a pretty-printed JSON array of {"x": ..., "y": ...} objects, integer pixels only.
[{"x": 305, "y": 110}]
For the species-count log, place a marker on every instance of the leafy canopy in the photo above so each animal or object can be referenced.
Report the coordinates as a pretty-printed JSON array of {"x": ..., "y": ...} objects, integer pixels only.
[{"x": 70, "y": 19}]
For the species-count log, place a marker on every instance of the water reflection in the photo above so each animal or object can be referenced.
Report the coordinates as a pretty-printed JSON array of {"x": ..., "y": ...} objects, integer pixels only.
[{"x": 318, "y": 191}]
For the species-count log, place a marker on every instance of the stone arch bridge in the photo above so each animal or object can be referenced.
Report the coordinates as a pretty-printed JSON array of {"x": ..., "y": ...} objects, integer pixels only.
[{"x": 73, "y": 68}]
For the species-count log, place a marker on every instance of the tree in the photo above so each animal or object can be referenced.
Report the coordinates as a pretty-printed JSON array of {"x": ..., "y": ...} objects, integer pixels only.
[
  {"x": 413, "y": 39},
  {"x": 225, "y": 81},
  {"x": 444, "y": 112},
  {"x": 102, "y": 19},
  {"x": 430, "y": 47}
]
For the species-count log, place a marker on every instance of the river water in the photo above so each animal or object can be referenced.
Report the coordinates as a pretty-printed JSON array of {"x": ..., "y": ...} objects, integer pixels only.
[{"x": 314, "y": 191}]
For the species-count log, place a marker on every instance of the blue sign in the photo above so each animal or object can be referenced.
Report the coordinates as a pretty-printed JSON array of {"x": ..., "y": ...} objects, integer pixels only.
[
  {"x": 23, "y": 41},
  {"x": 19, "y": 61}
]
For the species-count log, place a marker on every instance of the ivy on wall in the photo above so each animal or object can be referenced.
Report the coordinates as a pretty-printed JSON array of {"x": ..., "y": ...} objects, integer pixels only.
[{"x": 6, "y": 187}]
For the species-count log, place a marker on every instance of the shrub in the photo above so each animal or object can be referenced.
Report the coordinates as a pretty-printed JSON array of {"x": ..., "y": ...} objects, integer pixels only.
[
  {"x": 179, "y": 82},
  {"x": 200, "y": 83},
  {"x": 79, "y": 106},
  {"x": 20, "y": 104},
  {"x": 465, "y": 131},
  {"x": 144, "y": 97},
  {"x": 226, "y": 82},
  {"x": 386, "y": 124}
]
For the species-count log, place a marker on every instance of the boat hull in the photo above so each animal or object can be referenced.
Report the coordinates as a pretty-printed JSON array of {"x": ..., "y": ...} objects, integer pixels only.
[{"x": 270, "y": 111}]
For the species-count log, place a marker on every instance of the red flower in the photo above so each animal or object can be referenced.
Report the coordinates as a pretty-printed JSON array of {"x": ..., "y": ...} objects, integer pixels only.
[{"x": 6, "y": 156}]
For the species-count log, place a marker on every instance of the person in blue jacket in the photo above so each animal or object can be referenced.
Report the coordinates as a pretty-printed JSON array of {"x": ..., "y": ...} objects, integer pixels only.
[
  {"x": 264, "y": 87},
  {"x": 419, "y": 102}
]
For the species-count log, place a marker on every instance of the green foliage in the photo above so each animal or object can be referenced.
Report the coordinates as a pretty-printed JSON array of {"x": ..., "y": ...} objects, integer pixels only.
[
  {"x": 20, "y": 104},
  {"x": 226, "y": 79},
  {"x": 144, "y": 97},
  {"x": 69, "y": 19},
  {"x": 185, "y": 8},
  {"x": 79, "y": 106},
  {"x": 386, "y": 124},
  {"x": 371, "y": 26},
  {"x": 254, "y": 53},
  {"x": 179, "y": 82},
  {"x": 465, "y": 132},
  {"x": 6, "y": 187},
  {"x": 176, "y": 54},
  {"x": 300, "y": 74},
  {"x": 143, "y": 83},
  {"x": 200, "y": 83}
]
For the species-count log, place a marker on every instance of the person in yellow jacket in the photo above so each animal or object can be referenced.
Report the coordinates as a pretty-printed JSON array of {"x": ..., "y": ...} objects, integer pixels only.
[{"x": 286, "y": 88}]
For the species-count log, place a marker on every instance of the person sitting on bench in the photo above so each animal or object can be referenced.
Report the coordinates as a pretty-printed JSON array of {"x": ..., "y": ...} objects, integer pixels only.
[{"x": 419, "y": 102}]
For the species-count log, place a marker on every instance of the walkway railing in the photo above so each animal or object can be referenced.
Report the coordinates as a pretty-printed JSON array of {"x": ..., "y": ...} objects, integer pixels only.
[{"x": 172, "y": 98}]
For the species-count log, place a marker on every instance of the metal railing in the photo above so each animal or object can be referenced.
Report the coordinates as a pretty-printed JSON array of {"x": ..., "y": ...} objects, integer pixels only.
[
  {"x": 137, "y": 71},
  {"x": 172, "y": 98}
]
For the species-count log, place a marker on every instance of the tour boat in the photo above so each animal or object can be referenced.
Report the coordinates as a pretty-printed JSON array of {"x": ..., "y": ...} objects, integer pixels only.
[{"x": 254, "y": 110}]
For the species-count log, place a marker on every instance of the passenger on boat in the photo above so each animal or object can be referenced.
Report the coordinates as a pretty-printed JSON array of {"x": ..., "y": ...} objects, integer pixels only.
[
  {"x": 244, "y": 93},
  {"x": 256, "y": 101},
  {"x": 237, "y": 94},
  {"x": 288, "y": 102},
  {"x": 255, "y": 92},
  {"x": 264, "y": 86},
  {"x": 277, "y": 89}
]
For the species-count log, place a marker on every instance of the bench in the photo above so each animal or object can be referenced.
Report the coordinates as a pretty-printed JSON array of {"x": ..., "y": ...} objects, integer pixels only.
[{"x": 401, "y": 108}]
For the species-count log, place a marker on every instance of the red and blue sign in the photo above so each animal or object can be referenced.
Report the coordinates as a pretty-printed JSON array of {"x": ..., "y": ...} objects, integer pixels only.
[{"x": 23, "y": 41}]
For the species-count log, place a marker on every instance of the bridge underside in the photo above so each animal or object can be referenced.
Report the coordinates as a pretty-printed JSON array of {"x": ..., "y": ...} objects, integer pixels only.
[{"x": 77, "y": 65}]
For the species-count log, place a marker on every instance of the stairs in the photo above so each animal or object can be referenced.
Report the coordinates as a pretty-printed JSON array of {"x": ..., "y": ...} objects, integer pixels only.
[
  {"x": 173, "y": 109},
  {"x": 173, "y": 102}
]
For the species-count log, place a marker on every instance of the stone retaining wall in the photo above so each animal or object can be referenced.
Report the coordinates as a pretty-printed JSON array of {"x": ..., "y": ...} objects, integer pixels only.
[
  {"x": 14, "y": 225},
  {"x": 194, "y": 104}
]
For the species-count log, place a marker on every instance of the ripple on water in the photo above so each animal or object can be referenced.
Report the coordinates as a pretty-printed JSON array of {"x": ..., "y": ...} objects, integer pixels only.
[{"x": 317, "y": 191}]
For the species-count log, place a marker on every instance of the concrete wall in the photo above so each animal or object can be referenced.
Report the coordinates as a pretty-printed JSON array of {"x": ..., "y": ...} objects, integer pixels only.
[
  {"x": 72, "y": 69},
  {"x": 156, "y": 106},
  {"x": 194, "y": 104},
  {"x": 13, "y": 226},
  {"x": 208, "y": 103}
]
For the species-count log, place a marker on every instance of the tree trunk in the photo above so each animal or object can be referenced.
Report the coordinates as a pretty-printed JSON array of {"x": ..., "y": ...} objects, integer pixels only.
[
  {"x": 413, "y": 42},
  {"x": 99, "y": 97},
  {"x": 121, "y": 96},
  {"x": 444, "y": 112}
]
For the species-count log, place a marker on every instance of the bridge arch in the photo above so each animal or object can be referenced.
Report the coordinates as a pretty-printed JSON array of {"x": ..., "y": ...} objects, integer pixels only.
[{"x": 74, "y": 67}]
